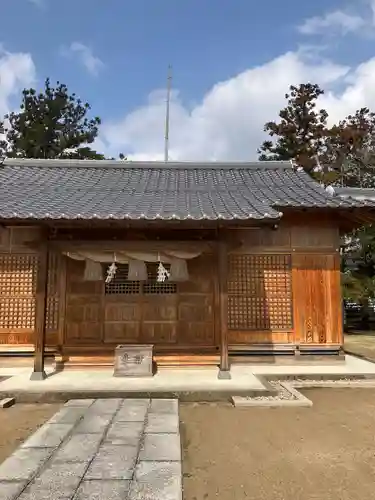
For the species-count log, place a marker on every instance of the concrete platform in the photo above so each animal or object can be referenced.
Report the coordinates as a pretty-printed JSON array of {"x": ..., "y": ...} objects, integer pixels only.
[
  {"x": 352, "y": 366},
  {"x": 94, "y": 449},
  {"x": 166, "y": 383},
  {"x": 188, "y": 384}
]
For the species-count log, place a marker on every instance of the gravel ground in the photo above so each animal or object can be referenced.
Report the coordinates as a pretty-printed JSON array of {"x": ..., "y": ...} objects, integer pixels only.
[
  {"x": 362, "y": 344},
  {"x": 321, "y": 453},
  {"x": 283, "y": 393},
  {"x": 19, "y": 422}
]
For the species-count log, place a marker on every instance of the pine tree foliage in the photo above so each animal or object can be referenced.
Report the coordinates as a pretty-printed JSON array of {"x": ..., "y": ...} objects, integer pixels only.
[
  {"x": 50, "y": 124},
  {"x": 300, "y": 132}
]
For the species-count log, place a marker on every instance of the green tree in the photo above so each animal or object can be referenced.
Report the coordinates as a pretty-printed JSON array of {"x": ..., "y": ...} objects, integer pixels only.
[
  {"x": 300, "y": 132},
  {"x": 84, "y": 153},
  {"x": 350, "y": 150},
  {"x": 51, "y": 124},
  {"x": 358, "y": 269}
]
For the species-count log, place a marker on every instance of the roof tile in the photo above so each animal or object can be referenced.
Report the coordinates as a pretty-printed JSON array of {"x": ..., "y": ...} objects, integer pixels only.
[{"x": 60, "y": 189}]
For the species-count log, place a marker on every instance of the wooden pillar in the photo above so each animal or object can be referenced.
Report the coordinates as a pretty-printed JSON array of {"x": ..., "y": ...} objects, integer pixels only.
[
  {"x": 224, "y": 372},
  {"x": 40, "y": 314}
]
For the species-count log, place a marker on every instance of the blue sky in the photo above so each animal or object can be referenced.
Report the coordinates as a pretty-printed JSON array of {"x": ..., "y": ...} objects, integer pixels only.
[{"x": 115, "y": 54}]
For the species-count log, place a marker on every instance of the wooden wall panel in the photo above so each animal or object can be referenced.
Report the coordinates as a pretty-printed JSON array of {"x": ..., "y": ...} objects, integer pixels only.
[
  {"x": 83, "y": 320},
  {"x": 315, "y": 237},
  {"x": 196, "y": 314},
  {"x": 266, "y": 238},
  {"x": 16, "y": 239},
  {"x": 159, "y": 333},
  {"x": 84, "y": 307},
  {"x": 4, "y": 239},
  {"x": 159, "y": 318},
  {"x": 186, "y": 315},
  {"x": 122, "y": 316},
  {"x": 317, "y": 305},
  {"x": 288, "y": 235},
  {"x": 178, "y": 314},
  {"x": 265, "y": 337},
  {"x": 316, "y": 284},
  {"x": 122, "y": 332}
]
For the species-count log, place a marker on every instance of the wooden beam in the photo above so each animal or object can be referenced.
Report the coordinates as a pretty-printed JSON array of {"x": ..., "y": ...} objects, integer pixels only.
[
  {"x": 134, "y": 245},
  {"x": 224, "y": 372},
  {"x": 108, "y": 245},
  {"x": 40, "y": 314}
]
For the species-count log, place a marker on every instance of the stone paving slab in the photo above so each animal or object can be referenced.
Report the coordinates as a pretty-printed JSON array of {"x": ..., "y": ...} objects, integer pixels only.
[
  {"x": 102, "y": 490},
  {"x": 105, "y": 406},
  {"x": 80, "y": 402},
  {"x": 125, "y": 433},
  {"x": 163, "y": 471},
  {"x": 10, "y": 490},
  {"x": 164, "y": 406},
  {"x": 48, "y": 436},
  {"x": 104, "y": 449},
  {"x": 78, "y": 449},
  {"x": 157, "y": 481},
  {"x": 161, "y": 447},
  {"x": 148, "y": 491},
  {"x": 24, "y": 463},
  {"x": 135, "y": 411},
  {"x": 113, "y": 462},
  {"x": 165, "y": 423},
  {"x": 68, "y": 415},
  {"x": 56, "y": 481},
  {"x": 93, "y": 424}
]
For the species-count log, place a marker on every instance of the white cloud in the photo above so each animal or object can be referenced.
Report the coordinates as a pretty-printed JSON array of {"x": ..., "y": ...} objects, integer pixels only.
[
  {"x": 333, "y": 22},
  {"x": 17, "y": 71},
  {"x": 85, "y": 55},
  {"x": 356, "y": 18},
  {"x": 228, "y": 122}
]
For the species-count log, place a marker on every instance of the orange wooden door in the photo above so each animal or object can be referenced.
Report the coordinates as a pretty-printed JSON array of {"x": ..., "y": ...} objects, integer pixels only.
[{"x": 317, "y": 299}]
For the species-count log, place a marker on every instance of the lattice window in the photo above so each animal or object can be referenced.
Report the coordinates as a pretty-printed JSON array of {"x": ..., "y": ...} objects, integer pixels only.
[
  {"x": 120, "y": 283},
  {"x": 17, "y": 291},
  {"x": 53, "y": 296},
  {"x": 154, "y": 287},
  {"x": 260, "y": 292}
]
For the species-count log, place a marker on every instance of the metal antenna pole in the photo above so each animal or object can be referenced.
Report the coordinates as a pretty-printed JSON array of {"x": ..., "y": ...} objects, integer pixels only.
[{"x": 166, "y": 143}]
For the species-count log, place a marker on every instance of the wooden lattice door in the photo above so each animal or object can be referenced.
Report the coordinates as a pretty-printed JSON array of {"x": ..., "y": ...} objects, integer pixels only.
[
  {"x": 144, "y": 312},
  {"x": 18, "y": 273},
  {"x": 17, "y": 298},
  {"x": 259, "y": 295}
]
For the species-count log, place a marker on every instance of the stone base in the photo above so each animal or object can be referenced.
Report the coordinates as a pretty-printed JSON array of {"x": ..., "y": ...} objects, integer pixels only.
[
  {"x": 38, "y": 375},
  {"x": 7, "y": 402},
  {"x": 133, "y": 361},
  {"x": 224, "y": 375}
]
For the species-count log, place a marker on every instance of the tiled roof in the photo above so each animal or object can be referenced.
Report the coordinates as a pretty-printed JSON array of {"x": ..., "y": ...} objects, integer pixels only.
[
  {"x": 359, "y": 194},
  {"x": 65, "y": 189}
]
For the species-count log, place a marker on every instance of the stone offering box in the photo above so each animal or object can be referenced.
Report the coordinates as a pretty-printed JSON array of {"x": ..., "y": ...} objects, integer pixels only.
[{"x": 133, "y": 361}]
